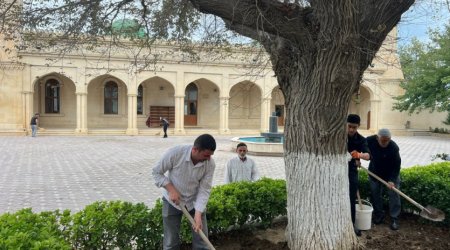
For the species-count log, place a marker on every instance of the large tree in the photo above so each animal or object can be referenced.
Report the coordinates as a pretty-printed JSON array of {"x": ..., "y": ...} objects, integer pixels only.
[
  {"x": 319, "y": 50},
  {"x": 427, "y": 74}
]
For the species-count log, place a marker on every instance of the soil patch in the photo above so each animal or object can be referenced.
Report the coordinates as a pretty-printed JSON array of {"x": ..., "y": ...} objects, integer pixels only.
[{"x": 414, "y": 233}]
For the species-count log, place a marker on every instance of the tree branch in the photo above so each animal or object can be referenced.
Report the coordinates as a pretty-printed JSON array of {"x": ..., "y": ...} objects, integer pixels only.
[{"x": 270, "y": 16}]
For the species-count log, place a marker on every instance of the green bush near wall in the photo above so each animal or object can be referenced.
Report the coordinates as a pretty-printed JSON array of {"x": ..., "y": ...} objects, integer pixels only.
[{"x": 122, "y": 225}]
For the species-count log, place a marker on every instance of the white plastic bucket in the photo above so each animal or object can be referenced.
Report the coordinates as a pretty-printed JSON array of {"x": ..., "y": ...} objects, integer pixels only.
[{"x": 363, "y": 217}]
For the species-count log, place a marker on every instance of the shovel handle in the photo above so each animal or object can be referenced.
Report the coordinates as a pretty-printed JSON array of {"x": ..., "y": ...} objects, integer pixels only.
[
  {"x": 396, "y": 190},
  {"x": 359, "y": 200},
  {"x": 200, "y": 232}
]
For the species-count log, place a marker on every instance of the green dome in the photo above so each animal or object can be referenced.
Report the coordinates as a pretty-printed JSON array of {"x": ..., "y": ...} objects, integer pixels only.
[{"x": 128, "y": 28}]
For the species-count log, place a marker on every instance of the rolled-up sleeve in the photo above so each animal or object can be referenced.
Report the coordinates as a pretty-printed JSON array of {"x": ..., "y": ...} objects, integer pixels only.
[
  {"x": 158, "y": 171},
  {"x": 204, "y": 189}
]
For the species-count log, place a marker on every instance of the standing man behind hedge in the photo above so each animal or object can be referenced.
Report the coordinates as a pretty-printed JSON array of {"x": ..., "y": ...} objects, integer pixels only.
[
  {"x": 385, "y": 163},
  {"x": 241, "y": 168},
  {"x": 188, "y": 182},
  {"x": 357, "y": 147}
]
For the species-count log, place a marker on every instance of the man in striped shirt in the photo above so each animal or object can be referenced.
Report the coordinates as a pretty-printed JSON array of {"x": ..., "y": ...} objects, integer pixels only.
[
  {"x": 188, "y": 182},
  {"x": 241, "y": 168}
]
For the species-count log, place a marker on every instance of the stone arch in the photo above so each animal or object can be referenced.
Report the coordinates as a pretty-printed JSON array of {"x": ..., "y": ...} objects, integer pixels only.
[
  {"x": 158, "y": 100},
  {"x": 208, "y": 108},
  {"x": 277, "y": 105},
  {"x": 97, "y": 119},
  {"x": 361, "y": 105},
  {"x": 245, "y": 106},
  {"x": 54, "y": 98}
]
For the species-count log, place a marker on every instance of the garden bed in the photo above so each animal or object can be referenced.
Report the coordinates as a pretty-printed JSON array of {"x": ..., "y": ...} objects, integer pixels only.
[{"x": 414, "y": 233}]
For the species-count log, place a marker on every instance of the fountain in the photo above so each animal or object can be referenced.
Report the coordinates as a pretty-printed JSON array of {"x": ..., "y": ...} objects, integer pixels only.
[{"x": 270, "y": 143}]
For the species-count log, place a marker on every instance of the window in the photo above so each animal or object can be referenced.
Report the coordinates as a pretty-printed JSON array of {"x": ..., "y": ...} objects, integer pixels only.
[
  {"x": 139, "y": 100},
  {"x": 52, "y": 97},
  {"x": 111, "y": 98}
]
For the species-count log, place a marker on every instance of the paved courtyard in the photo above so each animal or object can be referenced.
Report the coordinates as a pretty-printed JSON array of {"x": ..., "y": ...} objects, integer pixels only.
[{"x": 57, "y": 172}]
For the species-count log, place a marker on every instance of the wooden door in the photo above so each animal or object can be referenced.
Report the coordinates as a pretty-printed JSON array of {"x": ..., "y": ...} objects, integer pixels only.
[
  {"x": 279, "y": 111},
  {"x": 190, "y": 105}
]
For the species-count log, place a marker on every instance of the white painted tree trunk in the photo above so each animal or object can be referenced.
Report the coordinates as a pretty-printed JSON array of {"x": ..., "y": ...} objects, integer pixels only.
[{"x": 318, "y": 204}]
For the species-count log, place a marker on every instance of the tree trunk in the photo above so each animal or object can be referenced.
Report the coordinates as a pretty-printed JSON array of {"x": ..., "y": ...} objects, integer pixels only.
[{"x": 315, "y": 149}]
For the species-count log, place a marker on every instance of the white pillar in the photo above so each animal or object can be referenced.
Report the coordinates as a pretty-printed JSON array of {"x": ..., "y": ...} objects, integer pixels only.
[
  {"x": 265, "y": 114},
  {"x": 79, "y": 100},
  {"x": 179, "y": 115},
  {"x": 374, "y": 114},
  {"x": 224, "y": 109},
  {"x": 27, "y": 102},
  {"x": 81, "y": 113},
  {"x": 132, "y": 115}
]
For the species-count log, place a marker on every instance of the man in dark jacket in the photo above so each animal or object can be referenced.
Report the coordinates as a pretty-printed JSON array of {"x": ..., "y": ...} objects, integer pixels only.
[
  {"x": 385, "y": 163},
  {"x": 165, "y": 124},
  {"x": 34, "y": 124},
  {"x": 357, "y": 147}
]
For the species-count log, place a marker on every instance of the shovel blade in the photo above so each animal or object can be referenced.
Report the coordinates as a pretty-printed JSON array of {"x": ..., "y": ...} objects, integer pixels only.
[{"x": 433, "y": 214}]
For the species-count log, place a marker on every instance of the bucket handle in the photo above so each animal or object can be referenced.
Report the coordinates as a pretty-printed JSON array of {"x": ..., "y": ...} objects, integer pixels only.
[{"x": 366, "y": 202}]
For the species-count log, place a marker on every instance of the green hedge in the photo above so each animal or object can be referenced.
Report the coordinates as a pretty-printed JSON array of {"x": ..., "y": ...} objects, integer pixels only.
[
  {"x": 27, "y": 230},
  {"x": 122, "y": 225}
]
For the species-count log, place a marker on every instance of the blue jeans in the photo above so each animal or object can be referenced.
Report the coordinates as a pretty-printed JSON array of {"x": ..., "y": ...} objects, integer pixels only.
[
  {"x": 33, "y": 130},
  {"x": 172, "y": 224},
  {"x": 376, "y": 188}
]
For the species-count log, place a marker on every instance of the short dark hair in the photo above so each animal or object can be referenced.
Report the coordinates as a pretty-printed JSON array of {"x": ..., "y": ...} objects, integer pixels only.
[
  {"x": 241, "y": 144},
  {"x": 353, "y": 118},
  {"x": 205, "y": 141}
]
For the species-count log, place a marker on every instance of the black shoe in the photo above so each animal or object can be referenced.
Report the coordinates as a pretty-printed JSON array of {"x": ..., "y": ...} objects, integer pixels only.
[
  {"x": 394, "y": 224},
  {"x": 357, "y": 232},
  {"x": 378, "y": 220}
]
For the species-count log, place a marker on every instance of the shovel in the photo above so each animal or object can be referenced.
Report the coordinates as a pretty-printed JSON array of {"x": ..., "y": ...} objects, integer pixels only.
[
  {"x": 430, "y": 213},
  {"x": 200, "y": 232}
]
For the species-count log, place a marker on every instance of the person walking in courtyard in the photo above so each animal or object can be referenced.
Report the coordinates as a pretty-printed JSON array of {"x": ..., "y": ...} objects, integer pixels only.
[
  {"x": 188, "y": 182},
  {"x": 34, "y": 124},
  {"x": 241, "y": 168},
  {"x": 385, "y": 162},
  {"x": 357, "y": 147},
  {"x": 165, "y": 124}
]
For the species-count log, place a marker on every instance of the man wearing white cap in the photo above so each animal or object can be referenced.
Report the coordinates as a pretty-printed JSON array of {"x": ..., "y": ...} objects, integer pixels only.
[{"x": 385, "y": 162}]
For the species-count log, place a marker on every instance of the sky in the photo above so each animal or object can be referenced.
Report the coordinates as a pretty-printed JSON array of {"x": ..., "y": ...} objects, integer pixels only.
[{"x": 424, "y": 14}]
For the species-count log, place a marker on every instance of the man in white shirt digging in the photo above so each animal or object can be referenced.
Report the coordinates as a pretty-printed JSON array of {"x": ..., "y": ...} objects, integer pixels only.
[{"x": 241, "y": 168}]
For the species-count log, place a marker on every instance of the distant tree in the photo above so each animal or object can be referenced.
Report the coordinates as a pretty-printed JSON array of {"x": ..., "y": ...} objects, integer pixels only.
[
  {"x": 426, "y": 67},
  {"x": 318, "y": 49}
]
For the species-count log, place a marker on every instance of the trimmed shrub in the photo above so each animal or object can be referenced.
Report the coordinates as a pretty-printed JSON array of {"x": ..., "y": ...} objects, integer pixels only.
[
  {"x": 240, "y": 203},
  {"x": 117, "y": 224},
  {"x": 27, "y": 230}
]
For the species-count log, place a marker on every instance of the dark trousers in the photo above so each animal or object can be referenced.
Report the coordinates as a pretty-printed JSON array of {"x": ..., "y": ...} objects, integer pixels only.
[
  {"x": 165, "y": 129},
  {"x": 376, "y": 189},
  {"x": 172, "y": 224},
  {"x": 353, "y": 181}
]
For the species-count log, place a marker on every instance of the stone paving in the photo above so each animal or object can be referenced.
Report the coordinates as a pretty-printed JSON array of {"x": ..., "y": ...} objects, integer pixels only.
[{"x": 57, "y": 172}]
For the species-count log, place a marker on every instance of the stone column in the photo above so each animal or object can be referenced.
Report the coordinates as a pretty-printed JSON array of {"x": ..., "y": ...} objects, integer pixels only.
[
  {"x": 374, "y": 114},
  {"x": 265, "y": 114},
  {"x": 81, "y": 114},
  {"x": 27, "y": 102},
  {"x": 179, "y": 115},
  {"x": 224, "y": 110},
  {"x": 132, "y": 115}
]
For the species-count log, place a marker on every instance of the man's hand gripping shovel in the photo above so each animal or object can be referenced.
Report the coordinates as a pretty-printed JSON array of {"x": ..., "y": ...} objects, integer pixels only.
[{"x": 191, "y": 220}]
